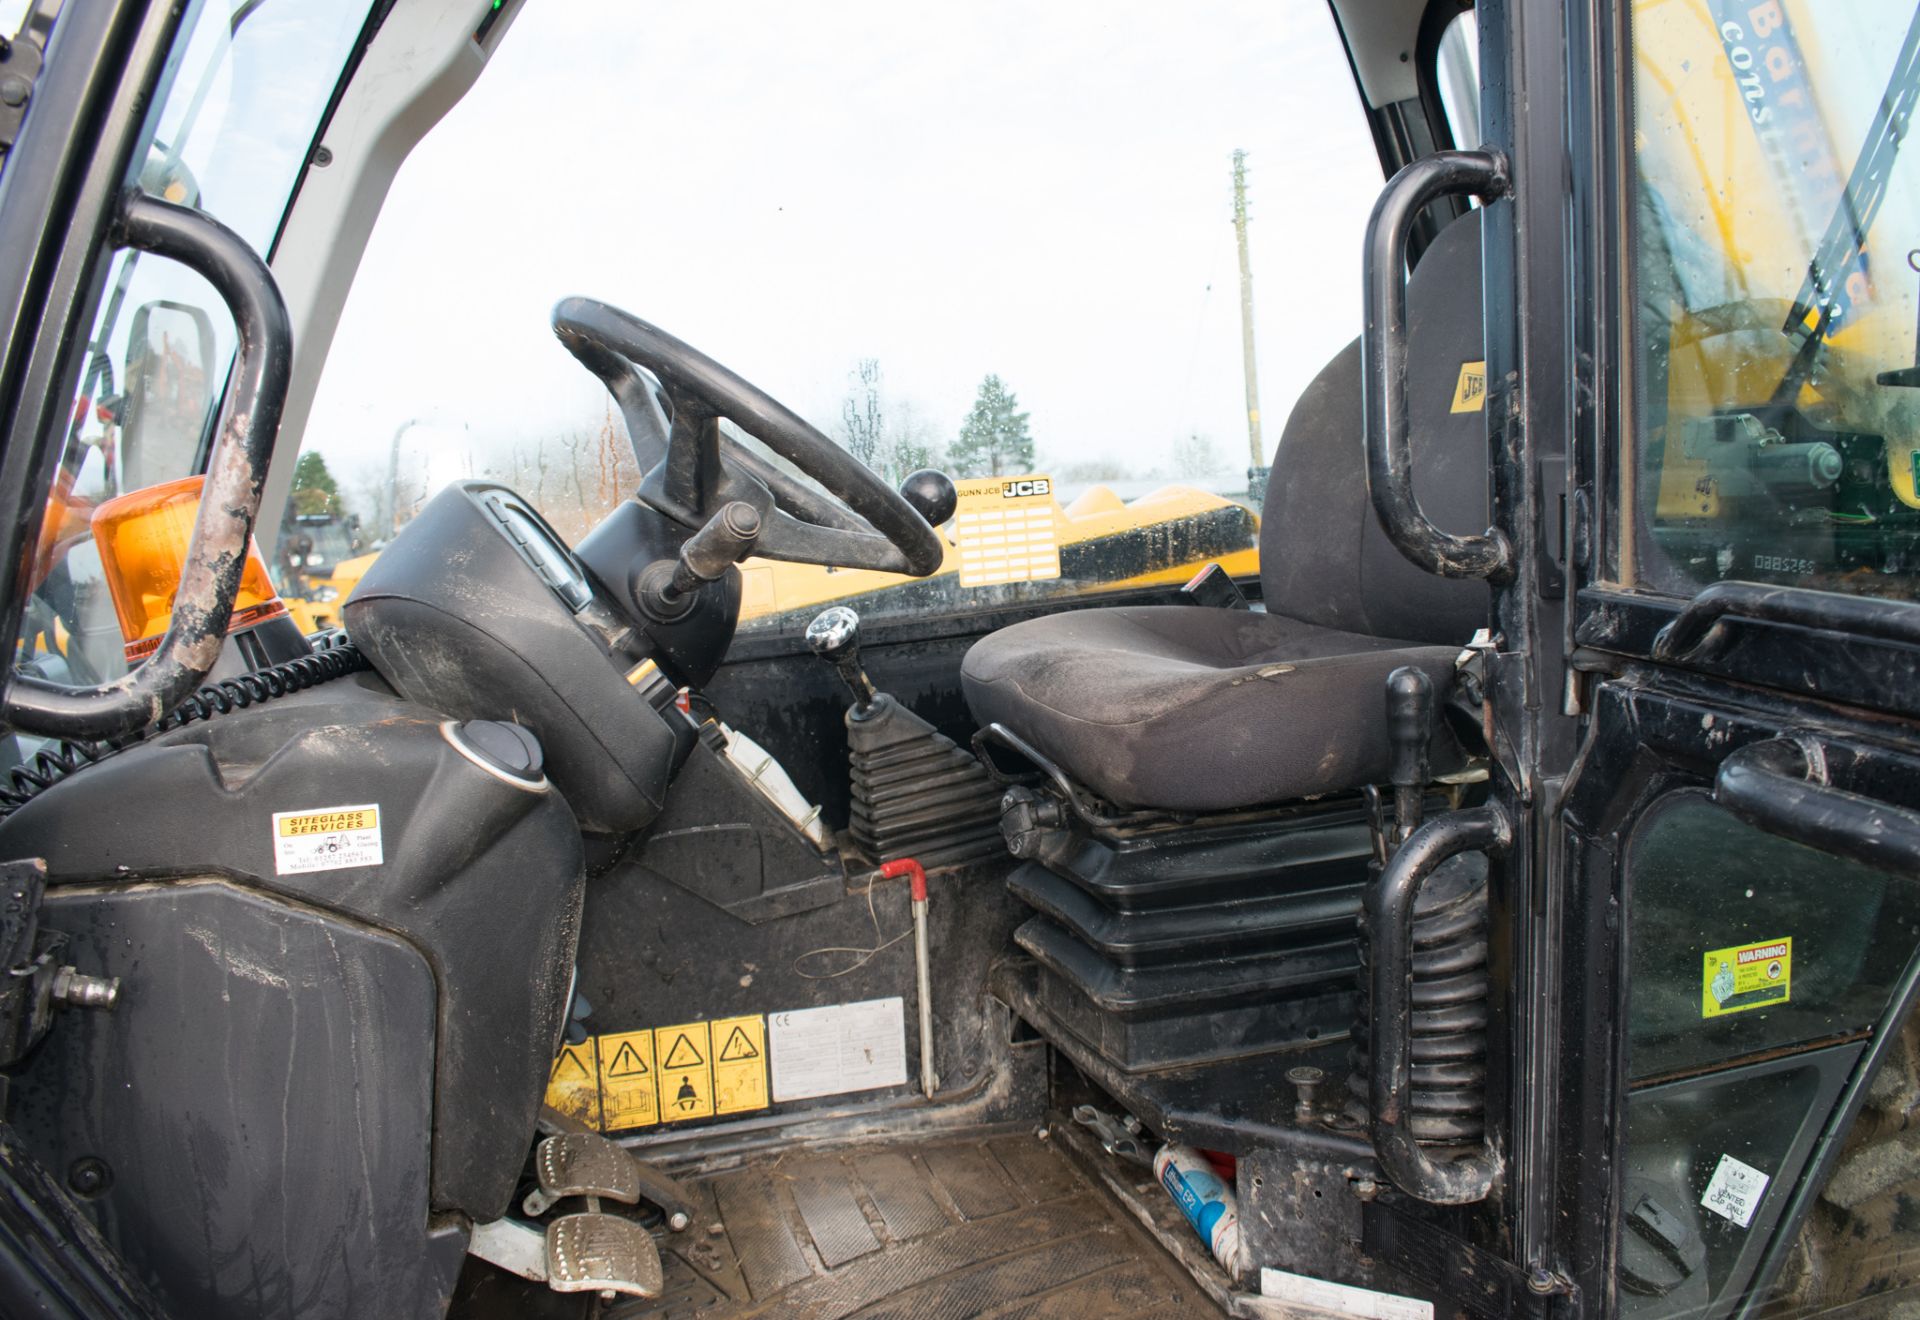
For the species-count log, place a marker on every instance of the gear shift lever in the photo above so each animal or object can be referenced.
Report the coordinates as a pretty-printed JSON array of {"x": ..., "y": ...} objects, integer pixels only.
[
  {"x": 1409, "y": 733},
  {"x": 914, "y": 793},
  {"x": 834, "y": 636}
]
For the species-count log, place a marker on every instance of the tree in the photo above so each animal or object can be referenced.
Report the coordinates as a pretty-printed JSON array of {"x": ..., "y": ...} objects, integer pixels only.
[
  {"x": 909, "y": 444},
  {"x": 862, "y": 421},
  {"x": 994, "y": 438},
  {"x": 314, "y": 488}
]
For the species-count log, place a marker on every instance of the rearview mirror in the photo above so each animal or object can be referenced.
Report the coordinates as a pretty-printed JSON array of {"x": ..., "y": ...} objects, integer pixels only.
[{"x": 170, "y": 389}]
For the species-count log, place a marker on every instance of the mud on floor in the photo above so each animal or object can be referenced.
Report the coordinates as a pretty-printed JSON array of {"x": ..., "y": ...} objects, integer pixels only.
[{"x": 1003, "y": 1227}]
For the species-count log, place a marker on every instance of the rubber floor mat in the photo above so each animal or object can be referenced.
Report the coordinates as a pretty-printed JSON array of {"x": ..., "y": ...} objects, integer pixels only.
[{"x": 1003, "y": 1227}]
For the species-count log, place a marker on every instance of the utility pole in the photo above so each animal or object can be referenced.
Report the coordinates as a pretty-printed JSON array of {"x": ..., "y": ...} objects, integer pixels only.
[
  {"x": 389, "y": 498},
  {"x": 1256, "y": 451}
]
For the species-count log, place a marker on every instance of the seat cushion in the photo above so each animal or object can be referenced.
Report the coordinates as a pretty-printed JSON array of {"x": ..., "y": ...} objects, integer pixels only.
[{"x": 1195, "y": 709}]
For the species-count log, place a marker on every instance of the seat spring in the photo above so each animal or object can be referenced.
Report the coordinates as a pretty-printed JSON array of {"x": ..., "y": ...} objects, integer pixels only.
[{"x": 1448, "y": 1101}]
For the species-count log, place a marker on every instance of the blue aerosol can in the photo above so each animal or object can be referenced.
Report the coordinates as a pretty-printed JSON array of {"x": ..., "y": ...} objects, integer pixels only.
[{"x": 1205, "y": 1198}]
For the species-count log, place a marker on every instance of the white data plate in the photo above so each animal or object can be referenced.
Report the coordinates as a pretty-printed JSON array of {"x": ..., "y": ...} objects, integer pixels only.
[
  {"x": 840, "y": 1048},
  {"x": 1341, "y": 1298}
]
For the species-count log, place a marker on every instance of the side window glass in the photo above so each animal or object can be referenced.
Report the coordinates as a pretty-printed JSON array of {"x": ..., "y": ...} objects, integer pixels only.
[
  {"x": 231, "y": 139},
  {"x": 1456, "y": 75},
  {"x": 1776, "y": 259}
]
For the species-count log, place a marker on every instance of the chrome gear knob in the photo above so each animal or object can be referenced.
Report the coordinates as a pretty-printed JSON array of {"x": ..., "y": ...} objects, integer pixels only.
[{"x": 834, "y": 636}]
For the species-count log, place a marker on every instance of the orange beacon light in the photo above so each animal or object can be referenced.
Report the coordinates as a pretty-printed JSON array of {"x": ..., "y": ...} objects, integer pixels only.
[{"x": 143, "y": 538}]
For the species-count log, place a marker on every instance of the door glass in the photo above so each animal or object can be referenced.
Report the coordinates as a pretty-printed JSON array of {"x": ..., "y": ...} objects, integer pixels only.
[
  {"x": 231, "y": 139},
  {"x": 996, "y": 239},
  {"x": 1776, "y": 259},
  {"x": 1758, "y": 970},
  {"x": 1743, "y": 943}
]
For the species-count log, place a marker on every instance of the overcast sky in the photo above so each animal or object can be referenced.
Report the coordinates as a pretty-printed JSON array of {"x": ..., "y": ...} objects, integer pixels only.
[{"x": 1037, "y": 191}]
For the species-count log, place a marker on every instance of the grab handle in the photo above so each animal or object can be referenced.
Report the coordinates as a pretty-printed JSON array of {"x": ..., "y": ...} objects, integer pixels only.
[
  {"x": 229, "y": 501},
  {"x": 1698, "y": 632},
  {"x": 1383, "y": 364},
  {"x": 1780, "y": 786}
]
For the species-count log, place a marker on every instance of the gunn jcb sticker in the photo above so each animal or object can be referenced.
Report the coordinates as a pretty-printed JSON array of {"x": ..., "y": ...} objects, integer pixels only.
[{"x": 1746, "y": 976}]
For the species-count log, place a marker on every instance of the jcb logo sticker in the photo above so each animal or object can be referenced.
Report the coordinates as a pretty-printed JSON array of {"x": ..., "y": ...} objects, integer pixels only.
[
  {"x": 1470, "y": 392},
  {"x": 1013, "y": 490}
]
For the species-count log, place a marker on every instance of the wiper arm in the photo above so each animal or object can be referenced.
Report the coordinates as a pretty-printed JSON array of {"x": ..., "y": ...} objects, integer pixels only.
[{"x": 1818, "y": 304}]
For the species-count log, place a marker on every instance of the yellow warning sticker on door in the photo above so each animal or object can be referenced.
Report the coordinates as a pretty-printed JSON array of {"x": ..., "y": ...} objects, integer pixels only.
[
  {"x": 628, "y": 1096},
  {"x": 573, "y": 1087},
  {"x": 739, "y": 1065},
  {"x": 1746, "y": 976},
  {"x": 686, "y": 1077},
  {"x": 1470, "y": 391}
]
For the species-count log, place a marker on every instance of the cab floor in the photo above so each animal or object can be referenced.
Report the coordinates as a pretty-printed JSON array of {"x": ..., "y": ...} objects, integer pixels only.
[{"x": 1003, "y": 1226}]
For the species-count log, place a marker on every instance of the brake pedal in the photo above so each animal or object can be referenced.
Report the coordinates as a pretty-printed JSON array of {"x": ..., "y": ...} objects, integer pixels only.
[
  {"x": 588, "y": 1164},
  {"x": 584, "y": 1164},
  {"x": 592, "y": 1252},
  {"x": 602, "y": 1253}
]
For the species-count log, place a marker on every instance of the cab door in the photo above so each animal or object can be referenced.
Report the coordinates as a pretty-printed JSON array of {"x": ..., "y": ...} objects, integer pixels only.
[{"x": 1737, "y": 847}]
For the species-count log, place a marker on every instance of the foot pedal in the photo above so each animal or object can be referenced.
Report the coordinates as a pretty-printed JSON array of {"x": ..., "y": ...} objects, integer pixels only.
[
  {"x": 602, "y": 1253},
  {"x": 585, "y": 1164}
]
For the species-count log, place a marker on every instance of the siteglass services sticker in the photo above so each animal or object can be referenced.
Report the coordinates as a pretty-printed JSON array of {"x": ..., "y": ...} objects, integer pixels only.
[
  {"x": 329, "y": 839},
  {"x": 1746, "y": 976}
]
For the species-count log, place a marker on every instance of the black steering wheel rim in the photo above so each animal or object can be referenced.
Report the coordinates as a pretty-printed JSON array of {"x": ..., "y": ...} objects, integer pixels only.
[{"x": 691, "y": 469}]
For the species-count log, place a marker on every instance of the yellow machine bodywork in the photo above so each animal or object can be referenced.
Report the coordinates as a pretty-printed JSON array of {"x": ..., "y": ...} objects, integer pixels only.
[{"x": 1097, "y": 516}]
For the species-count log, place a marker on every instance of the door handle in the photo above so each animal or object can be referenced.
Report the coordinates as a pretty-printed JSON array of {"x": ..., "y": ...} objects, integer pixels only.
[
  {"x": 1383, "y": 364},
  {"x": 1779, "y": 785},
  {"x": 1696, "y": 632},
  {"x": 229, "y": 501}
]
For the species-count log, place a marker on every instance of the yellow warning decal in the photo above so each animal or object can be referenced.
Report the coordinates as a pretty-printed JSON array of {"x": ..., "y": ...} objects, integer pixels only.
[
  {"x": 1746, "y": 976},
  {"x": 573, "y": 1087},
  {"x": 629, "y": 1097},
  {"x": 739, "y": 1065},
  {"x": 635, "y": 1079},
  {"x": 1470, "y": 392},
  {"x": 686, "y": 1077}
]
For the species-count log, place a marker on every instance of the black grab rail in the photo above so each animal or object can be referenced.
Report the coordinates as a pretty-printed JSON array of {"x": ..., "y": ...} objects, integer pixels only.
[
  {"x": 1780, "y": 786},
  {"x": 229, "y": 502},
  {"x": 1383, "y": 364},
  {"x": 1698, "y": 632}
]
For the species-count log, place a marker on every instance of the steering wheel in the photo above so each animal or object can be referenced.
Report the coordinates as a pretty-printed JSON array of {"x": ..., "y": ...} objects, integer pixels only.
[{"x": 693, "y": 471}]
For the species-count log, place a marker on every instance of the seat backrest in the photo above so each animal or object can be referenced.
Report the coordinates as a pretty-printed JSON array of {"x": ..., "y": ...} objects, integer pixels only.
[{"x": 1323, "y": 557}]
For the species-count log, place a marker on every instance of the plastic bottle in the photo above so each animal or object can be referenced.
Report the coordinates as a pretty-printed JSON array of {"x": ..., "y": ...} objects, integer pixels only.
[{"x": 1204, "y": 1198}]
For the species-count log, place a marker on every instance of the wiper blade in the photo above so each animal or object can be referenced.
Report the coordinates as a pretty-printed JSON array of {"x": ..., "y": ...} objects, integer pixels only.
[{"x": 1822, "y": 294}]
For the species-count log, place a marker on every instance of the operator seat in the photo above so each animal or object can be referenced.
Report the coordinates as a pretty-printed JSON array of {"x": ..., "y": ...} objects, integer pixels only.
[{"x": 1187, "y": 708}]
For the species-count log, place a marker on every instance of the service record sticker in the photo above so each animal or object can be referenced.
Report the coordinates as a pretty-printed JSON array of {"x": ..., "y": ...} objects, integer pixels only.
[
  {"x": 1746, "y": 976},
  {"x": 1735, "y": 1190},
  {"x": 326, "y": 839}
]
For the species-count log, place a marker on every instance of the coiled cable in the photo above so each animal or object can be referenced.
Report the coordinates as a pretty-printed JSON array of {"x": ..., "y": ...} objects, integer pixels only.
[{"x": 333, "y": 657}]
